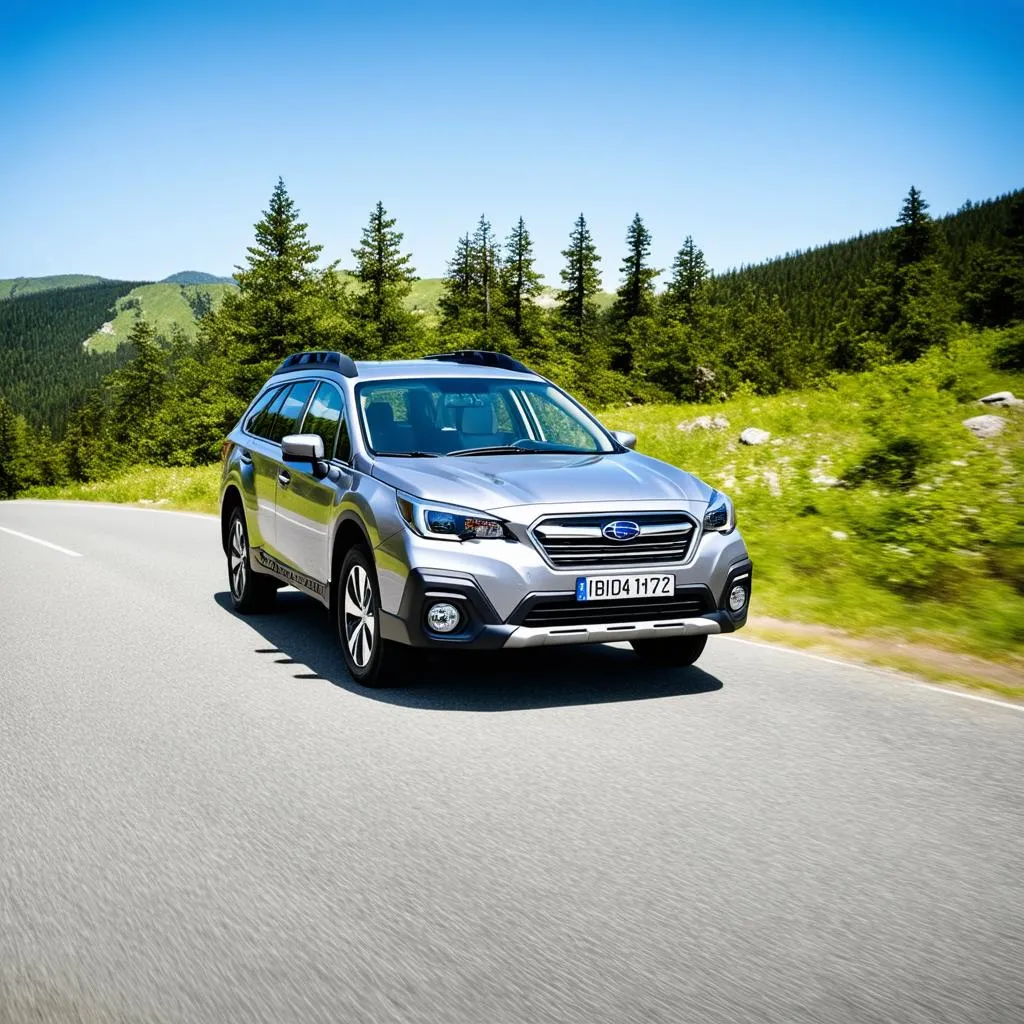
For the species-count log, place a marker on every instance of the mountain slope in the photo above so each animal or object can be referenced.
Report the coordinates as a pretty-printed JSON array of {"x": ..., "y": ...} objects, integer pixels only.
[
  {"x": 12, "y": 286},
  {"x": 45, "y": 371},
  {"x": 817, "y": 287},
  {"x": 165, "y": 306}
]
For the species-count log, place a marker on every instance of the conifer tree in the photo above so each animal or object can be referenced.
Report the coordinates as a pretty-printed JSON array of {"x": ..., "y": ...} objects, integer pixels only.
[
  {"x": 635, "y": 297},
  {"x": 137, "y": 392},
  {"x": 577, "y": 311},
  {"x": 471, "y": 294},
  {"x": 687, "y": 292},
  {"x": 906, "y": 305},
  {"x": 10, "y": 451},
  {"x": 520, "y": 285},
  {"x": 283, "y": 303},
  {"x": 382, "y": 325}
]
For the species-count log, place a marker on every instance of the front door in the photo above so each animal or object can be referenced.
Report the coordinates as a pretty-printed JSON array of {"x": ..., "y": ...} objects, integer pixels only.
[{"x": 305, "y": 503}]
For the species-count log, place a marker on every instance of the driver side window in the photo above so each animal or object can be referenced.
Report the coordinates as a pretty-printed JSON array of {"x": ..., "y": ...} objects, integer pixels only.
[{"x": 326, "y": 417}]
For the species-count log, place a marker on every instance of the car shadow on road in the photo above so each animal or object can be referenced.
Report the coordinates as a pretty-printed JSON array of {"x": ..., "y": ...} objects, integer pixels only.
[{"x": 298, "y": 633}]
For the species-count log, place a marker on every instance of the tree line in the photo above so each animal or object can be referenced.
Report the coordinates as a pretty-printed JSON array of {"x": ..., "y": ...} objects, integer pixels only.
[{"x": 697, "y": 339}]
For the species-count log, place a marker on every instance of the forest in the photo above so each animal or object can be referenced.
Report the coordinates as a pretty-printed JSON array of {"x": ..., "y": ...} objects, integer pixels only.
[{"x": 883, "y": 298}]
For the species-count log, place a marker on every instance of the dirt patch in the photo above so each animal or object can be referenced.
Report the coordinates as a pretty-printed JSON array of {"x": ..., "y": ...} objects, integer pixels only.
[{"x": 1005, "y": 676}]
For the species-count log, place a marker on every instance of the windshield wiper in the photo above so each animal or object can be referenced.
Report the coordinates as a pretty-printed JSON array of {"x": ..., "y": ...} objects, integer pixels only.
[
  {"x": 406, "y": 455},
  {"x": 515, "y": 449}
]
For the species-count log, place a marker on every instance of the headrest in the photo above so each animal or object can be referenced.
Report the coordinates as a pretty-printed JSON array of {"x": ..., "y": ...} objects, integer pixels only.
[
  {"x": 379, "y": 416},
  {"x": 478, "y": 419},
  {"x": 421, "y": 408}
]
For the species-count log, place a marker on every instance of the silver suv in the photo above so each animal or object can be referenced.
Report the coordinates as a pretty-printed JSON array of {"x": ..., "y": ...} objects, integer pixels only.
[{"x": 464, "y": 501}]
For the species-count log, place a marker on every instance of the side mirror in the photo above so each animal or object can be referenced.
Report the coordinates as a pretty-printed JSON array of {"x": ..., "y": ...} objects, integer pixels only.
[
  {"x": 625, "y": 437},
  {"x": 303, "y": 447}
]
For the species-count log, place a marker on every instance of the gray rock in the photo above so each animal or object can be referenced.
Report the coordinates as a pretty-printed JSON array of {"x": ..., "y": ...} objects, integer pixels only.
[
  {"x": 985, "y": 426},
  {"x": 840, "y": 535},
  {"x": 716, "y": 422},
  {"x": 754, "y": 435},
  {"x": 1002, "y": 399}
]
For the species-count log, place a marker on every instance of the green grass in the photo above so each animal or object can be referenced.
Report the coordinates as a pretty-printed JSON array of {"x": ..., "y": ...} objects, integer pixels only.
[
  {"x": 938, "y": 558},
  {"x": 922, "y": 540},
  {"x": 11, "y": 286},
  {"x": 163, "y": 305},
  {"x": 193, "y": 489}
]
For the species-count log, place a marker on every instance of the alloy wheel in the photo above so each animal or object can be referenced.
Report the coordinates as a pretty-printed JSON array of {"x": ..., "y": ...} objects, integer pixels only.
[
  {"x": 238, "y": 559},
  {"x": 359, "y": 616}
]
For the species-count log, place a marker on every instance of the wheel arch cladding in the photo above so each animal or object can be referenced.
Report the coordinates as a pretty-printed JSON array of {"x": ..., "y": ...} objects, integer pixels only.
[
  {"x": 349, "y": 534},
  {"x": 231, "y": 500}
]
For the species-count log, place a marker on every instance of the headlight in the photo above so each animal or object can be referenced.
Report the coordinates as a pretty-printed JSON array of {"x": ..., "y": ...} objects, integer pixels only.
[
  {"x": 720, "y": 517},
  {"x": 449, "y": 522}
]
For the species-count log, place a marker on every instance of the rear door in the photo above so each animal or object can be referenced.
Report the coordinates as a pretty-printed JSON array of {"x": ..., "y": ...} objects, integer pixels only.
[{"x": 305, "y": 504}]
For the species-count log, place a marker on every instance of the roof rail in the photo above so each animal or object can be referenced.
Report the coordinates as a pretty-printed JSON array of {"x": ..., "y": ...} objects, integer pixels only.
[
  {"x": 480, "y": 357},
  {"x": 321, "y": 360}
]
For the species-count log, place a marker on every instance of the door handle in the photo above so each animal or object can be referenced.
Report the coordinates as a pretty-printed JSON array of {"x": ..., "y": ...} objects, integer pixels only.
[
  {"x": 245, "y": 457},
  {"x": 284, "y": 478}
]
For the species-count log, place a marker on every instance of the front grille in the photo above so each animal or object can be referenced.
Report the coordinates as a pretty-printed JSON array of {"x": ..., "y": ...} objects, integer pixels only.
[
  {"x": 577, "y": 542},
  {"x": 548, "y": 612}
]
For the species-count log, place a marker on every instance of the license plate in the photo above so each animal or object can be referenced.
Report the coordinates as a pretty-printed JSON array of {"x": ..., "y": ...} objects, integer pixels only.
[{"x": 608, "y": 588}]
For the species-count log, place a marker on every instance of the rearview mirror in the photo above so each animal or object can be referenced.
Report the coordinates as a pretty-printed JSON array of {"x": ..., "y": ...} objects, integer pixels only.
[
  {"x": 625, "y": 437},
  {"x": 303, "y": 447}
]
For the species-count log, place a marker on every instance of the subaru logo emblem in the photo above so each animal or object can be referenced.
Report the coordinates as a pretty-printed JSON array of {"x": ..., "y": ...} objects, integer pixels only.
[{"x": 621, "y": 529}]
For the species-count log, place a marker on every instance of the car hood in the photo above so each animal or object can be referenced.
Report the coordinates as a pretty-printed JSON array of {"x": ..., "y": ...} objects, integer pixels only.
[{"x": 496, "y": 482}]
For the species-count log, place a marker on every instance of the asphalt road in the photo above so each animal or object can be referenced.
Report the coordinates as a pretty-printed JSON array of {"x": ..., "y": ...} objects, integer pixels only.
[{"x": 203, "y": 819}]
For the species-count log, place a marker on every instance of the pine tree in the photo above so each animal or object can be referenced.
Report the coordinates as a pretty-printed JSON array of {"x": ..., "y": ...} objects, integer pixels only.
[
  {"x": 471, "y": 293},
  {"x": 382, "y": 324},
  {"x": 137, "y": 392},
  {"x": 520, "y": 286},
  {"x": 687, "y": 293},
  {"x": 283, "y": 303},
  {"x": 10, "y": 452},
  {"x": 577, "y": 311},
  {"x": 635, "y": 297},
  {"x": 906, "y": 305}
]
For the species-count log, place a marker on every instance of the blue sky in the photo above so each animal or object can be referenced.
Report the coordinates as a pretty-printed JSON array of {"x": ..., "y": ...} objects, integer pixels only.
[{"x": 138, "y": 140}]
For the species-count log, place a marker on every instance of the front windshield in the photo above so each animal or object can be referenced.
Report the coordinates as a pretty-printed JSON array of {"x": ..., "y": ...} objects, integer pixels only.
[{"x": 458, "y": 415}]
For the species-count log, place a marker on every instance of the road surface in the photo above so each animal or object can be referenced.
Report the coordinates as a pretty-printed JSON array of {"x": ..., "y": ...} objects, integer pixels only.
[{"x": 203, "y": 819}]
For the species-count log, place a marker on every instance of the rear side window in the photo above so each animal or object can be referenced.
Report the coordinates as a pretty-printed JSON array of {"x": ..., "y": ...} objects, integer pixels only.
[
  {"x": 259, "y": 422},
  {"x": 324, "y": 416},
  {"x": 286, "y": 419},
  {"x": 259, "y": 414}
]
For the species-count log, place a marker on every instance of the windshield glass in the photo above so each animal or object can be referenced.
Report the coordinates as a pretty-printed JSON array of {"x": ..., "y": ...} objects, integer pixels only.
[{"x": 448, "y": 416}]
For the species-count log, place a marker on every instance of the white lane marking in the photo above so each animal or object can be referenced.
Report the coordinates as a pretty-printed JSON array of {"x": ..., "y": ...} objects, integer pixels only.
[
  {"x": 880, "y": 672},
  {"x": 108, "y": 504},
  {"x": 45, "y": 543}
]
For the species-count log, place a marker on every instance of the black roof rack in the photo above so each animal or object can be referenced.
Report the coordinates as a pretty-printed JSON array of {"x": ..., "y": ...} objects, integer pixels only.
[
  {"x": 321, "y": 360},
  {"x": 480, "y": 357}
]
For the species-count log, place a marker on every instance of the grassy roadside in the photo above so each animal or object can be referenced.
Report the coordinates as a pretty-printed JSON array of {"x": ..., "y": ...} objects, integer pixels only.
[{"x": 882, "y": 530}]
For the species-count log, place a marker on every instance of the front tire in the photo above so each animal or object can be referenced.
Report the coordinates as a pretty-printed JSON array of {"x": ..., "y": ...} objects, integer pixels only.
[
  {"x": 677, "y": 651},
  {"x": 371, "y": 661},
  {"x": 251, "y": 592}
]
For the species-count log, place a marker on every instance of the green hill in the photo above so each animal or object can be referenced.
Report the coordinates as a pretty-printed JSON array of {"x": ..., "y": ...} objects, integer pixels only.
[
  {"x": 45, "y": 371},
  {"x": 195, "y": 277},
  {"x": 12, "y": 286},
  {"x": 817, "y": 286},
  {"x": 163, "y": 305}
]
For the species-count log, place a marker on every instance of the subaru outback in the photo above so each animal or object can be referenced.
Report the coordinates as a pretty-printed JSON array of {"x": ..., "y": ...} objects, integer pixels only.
[{"x": 464, "y": 501}]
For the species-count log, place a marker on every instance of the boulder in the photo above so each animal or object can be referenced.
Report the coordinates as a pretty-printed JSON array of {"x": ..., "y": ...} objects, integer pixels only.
[
  {"x": 1002, "y": 399},
  {"x": 985, "y": 426},
  {"x": 716, "y": 422},
  {"x": 754, "y": 435}
]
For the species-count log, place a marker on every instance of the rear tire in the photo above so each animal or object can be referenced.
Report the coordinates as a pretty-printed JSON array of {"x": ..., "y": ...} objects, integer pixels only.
[
  {"x": 675, "y": 651},
  {"x": 370, "y": 660},
  {"x": 251, "y": 592}
]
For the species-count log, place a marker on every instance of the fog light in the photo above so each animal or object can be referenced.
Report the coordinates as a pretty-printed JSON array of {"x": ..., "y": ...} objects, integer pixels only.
[
  {"x": 737, "y": 598},
  {"x": 443, "y": 617}
]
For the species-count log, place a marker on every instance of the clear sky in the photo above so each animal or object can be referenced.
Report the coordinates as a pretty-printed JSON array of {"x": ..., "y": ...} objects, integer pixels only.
[{"x": 138, "y": 139}]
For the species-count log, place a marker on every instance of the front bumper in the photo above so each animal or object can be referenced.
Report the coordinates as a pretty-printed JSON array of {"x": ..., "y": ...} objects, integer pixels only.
[{"x": 554, "y": 618}]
